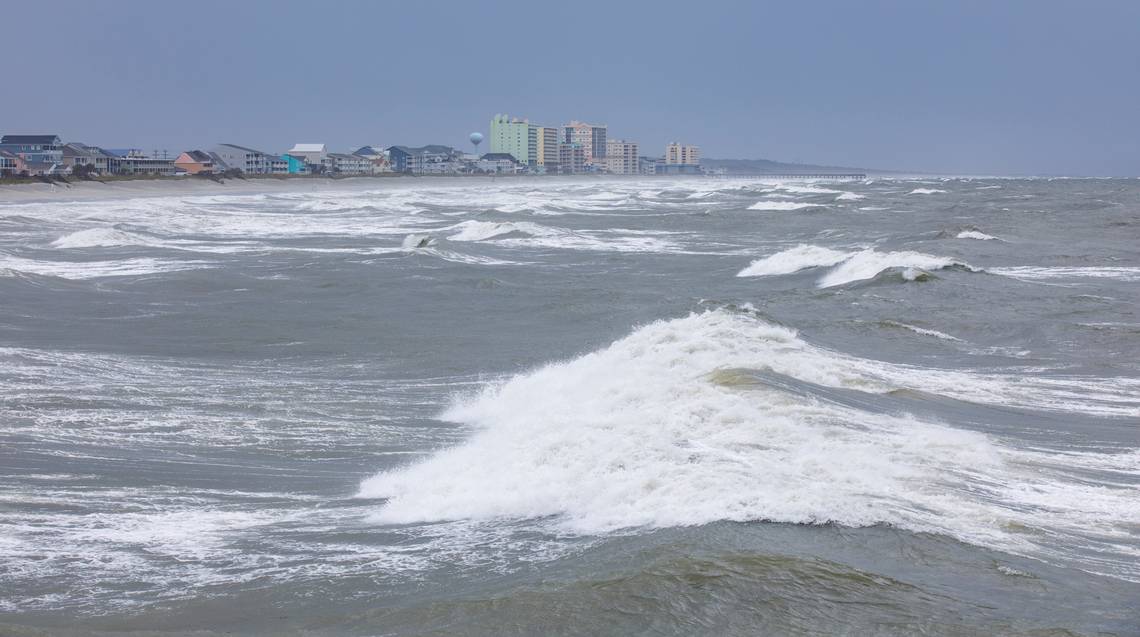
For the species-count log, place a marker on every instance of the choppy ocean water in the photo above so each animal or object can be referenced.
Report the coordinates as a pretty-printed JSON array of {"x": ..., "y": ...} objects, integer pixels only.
[{"x": 547, "y": 406}]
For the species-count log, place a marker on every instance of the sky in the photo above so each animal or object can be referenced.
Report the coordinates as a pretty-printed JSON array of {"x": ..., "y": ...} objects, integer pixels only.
[{"x": 965, "y": 87}]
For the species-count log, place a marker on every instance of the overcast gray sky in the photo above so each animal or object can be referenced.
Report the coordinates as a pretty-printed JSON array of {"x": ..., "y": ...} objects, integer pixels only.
[{"x": 968, "y": 87}]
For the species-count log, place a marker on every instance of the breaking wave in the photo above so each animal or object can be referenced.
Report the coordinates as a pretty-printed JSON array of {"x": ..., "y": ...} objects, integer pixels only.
[
  {"x": 782, "y": 205},
  {"x": 483, "y": 230},
  {"x": 416, "y": 241},
  {"x": 849, "y": 266},
  {"x": 867, "y": 264},
  {"x": 102, "y": 238},
  {"x": 975, "y": 234},
  {"x": 677, "y": 424},
  {"x": 795, "y": 259}
]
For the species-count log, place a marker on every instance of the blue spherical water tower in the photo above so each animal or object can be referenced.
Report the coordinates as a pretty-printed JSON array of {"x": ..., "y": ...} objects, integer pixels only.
[{"x": 475, "y": 139}]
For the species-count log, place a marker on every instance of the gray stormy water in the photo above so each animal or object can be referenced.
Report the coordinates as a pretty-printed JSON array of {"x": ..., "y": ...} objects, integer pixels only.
[{"x": 545, "y": 406}]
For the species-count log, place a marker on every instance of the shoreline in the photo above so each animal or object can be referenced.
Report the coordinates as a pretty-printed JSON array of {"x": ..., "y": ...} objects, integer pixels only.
[{"x": 179, "y": 186}]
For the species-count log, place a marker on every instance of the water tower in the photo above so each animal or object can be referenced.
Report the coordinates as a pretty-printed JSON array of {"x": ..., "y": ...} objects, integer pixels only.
[{"x": 475, "y": 139}]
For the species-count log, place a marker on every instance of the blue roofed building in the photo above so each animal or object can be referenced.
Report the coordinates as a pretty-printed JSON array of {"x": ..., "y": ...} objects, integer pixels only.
[{"x": 42, "y": 154}]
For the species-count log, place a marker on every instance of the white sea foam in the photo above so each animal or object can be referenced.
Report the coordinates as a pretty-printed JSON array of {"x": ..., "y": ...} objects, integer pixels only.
[
  {"x": 483, "y": 230},
  {"x": 781, "y": 205},
  {"x": 804, "y": 189},
  {"x": 867, "y": 264},
  {"x": 975, "y": 234},
  {"x": 795, "y": 259},
  {"x": 666, "y": 427},
  {"x": 416, "y": 241},
  {"x": 923, "y": 331},
  {"x": 96, "y": 269},
  {"x": 926, "y": 191},
  {"x": 102, "y": 238},
  {"x": 1034, "y": 273},
  {"x": 849, "y": 196}
]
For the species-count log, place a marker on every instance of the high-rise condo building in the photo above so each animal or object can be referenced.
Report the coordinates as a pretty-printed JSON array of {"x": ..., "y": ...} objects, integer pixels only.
[
  {"x": 516, "y": 137},
  {"x": 571, "y": 158},
  {"x": 548, "y": 148},
  {"x": 681, "y": 154},
  {"x": 590, "y": 137},
  {"x": 621, "y": 157}
]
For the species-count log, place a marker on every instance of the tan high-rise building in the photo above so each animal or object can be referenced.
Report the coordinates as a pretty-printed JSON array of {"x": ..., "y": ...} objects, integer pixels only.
[
  {"x": 621, "y": 157},
  {"x": 680, "y": 154},
  {"x": 591, "y": 137},
  {"x": 548, "y": 148}
]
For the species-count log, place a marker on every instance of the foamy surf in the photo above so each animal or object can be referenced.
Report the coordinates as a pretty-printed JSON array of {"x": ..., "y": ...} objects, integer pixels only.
[
  {"x": 483, "y": 230},
  {"x": 795, "y": 259},
  {"x": 667, "y": 427},
  {"x": 102, "y": 238},
  {"x": 1036, "y": 273},
  {"x": 975, "y": 234},
  {"x": 848, "y": 267},
  {"x": 782, "y": 205},
  {"x": 867, "y": 264}
]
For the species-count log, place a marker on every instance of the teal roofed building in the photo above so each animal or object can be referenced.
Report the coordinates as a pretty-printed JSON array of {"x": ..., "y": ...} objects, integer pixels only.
[{"x": 296, "y": 165}]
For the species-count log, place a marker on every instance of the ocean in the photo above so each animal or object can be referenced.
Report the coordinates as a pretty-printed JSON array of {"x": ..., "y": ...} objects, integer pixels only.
[{"x": 544, "y": 406}]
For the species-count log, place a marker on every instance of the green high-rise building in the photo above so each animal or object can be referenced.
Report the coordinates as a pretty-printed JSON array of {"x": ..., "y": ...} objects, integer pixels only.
[{"x": 516, "y": 137}]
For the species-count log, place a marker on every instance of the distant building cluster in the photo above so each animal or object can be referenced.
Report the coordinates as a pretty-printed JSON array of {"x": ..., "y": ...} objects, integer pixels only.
[
  {"x": 579, "y": 147},
  {"x": 516, "y": 146}
]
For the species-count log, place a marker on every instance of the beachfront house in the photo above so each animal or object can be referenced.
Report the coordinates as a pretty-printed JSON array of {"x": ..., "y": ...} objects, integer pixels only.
[
  {"x": 196, "y": 162},
  {"x": 424, "y": 160},
  {"x": 41, "y": 154},
  {"x": 250, "y": 161},
  {"x": 313, "y": 154},
  {"x": 296, "y": 165},
  {"x": 11, "y": 164},
  {"x": 498, "y": 163},
  {"x": 346, "y": 164},
  {"x": 377, "y": 156},
  {"x": 76, "y": 154},
  {"x": 133, "y": 161}
]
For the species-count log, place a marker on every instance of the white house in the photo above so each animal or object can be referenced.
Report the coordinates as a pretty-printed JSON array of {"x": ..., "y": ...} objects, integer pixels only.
[{"x": 313, "y": 154}]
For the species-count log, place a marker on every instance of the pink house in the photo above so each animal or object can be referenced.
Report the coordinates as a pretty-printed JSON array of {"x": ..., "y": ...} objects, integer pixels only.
[{"x": 11, "y": 164}]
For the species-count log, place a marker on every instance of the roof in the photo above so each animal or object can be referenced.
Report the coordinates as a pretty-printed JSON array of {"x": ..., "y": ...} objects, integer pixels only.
[
  {"x": 76, "y": 149},
  {"x": 345, "y": 156},
  {"x": 307, "y": 148},
  {"x": 4, "y": 153},
  {"x": 499, "y": 157},
  {"x": 200, "y": 156},
  {"x": 366, "y": 151},
  {"x": 245, "y": 150},
  {"x": 424, "y": 150},
  {"x": 29, "y": 139}
]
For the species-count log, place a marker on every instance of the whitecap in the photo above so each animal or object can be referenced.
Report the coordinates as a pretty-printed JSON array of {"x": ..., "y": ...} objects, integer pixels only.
[
  {"x": 483, "y": 230},
  {"x": 975, "y": 234},
  {"x": 102, "y": 238},
  {"x": 794, "y": 259},
  {"x": 781, "y": 205},
  {"x": 672, "y": 426},
  {"x": 867, "y": 264}
]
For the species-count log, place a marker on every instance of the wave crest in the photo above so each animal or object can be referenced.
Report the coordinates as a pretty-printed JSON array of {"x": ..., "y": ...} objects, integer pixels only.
[
  {"x": 687, "y": 421},
  {"x": 795, "y": 259}
]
